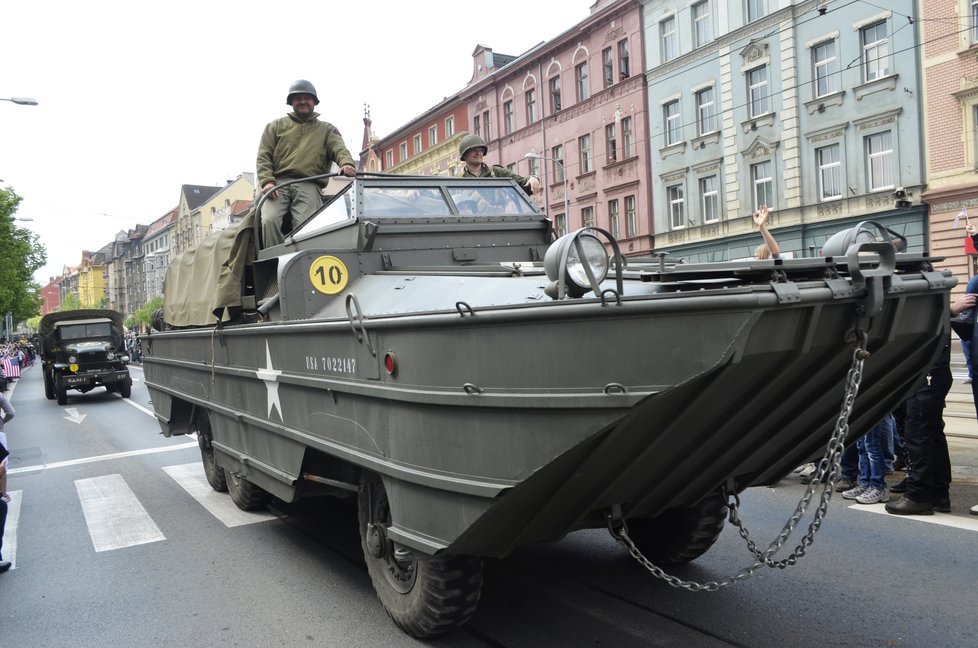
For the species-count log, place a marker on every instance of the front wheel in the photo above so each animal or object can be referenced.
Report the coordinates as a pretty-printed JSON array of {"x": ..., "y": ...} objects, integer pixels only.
[
  {"x": 425, "y": 598},
  {"x": 245, "y": 495},
  {"x": 62, "y": 394},
  {"x": 125, "y": 389},
  {"x": 680, "y": 535},
  {"x": 48, "y": 386}
]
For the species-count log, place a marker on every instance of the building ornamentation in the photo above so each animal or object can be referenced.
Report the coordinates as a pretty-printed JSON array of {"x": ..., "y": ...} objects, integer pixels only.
[{"x": 677, "y": 236}]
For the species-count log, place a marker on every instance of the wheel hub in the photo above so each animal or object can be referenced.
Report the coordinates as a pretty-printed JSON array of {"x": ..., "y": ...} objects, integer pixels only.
[{"x": 376, "y": 540}]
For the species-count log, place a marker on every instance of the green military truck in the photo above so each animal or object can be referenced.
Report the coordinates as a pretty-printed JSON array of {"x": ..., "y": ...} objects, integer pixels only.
[{"x": 81, "y": 350}]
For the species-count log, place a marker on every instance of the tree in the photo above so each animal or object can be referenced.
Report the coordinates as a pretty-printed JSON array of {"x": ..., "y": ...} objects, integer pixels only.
[
  {"x": 21, "y": 255},
  {"x": 70, "y": 302},
  {"x": 145, "y": 314}
]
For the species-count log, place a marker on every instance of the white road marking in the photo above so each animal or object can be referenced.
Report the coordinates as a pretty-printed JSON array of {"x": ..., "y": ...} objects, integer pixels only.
[
  {"x": 943, "y": 519},
  {"x": 10, "y": 531},
  {"x": 74, "y": 416},
  {"x": 97, "y": 458},
  {"x": 191, "y": 477},
  {"x": 139, "y": 407},
  {"x": 114, "y": 516}
]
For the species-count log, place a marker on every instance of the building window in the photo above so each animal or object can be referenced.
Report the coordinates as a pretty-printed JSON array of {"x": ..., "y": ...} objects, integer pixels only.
[
  {"x": 671, "y": 123},
  {"x": 611, "y": 142},
  {"x": 557, "y": 155},
  {"x": 508, "y": 120},
  {"x": 676, "y": 204},
  {"x": 669, "y": 38},
  {"x": 449, "y": 127},
  {"x": 758, "y": 91},
  {"x": 608, "y": 67},
  {"x": 583, "y": 88},
  {"x": 584, "y": 150},
  {"x": 762, "y": 183},
  {"x": 974, "y": 21},
  {"x": 587, "y": 216},
  {"x": 432, "y": 136},
  {"x": 876, "y": 51},
  {"x": 555, "y": 95},
  {"x": 709, "y": 199},
  {"x": 826, "y": 68},
  {"x": 755, "y": 9},
  {"x": 702, "y": 27},
  {"x": 623, "y": 69},
  {"x": 829, "y": 172},
  {"x": 485, "y": 124},
  {"x": 614, "y": 218},
  {"x": 631, "y": 218},
  {"x": 477, "y": 126},
  {"x": 390, "y": 158},
  {"x": 417, "y": 143},
  {"x": 403, "y": 152},
  {"x": 627, "y": 138},
  {"x": 879, "y": 160},
  {"x": 706, "y": 114},
  {"x": 534, "y": 166},
  {"x": 531, "y": 106},
  {"x": 561, "y": 224}
]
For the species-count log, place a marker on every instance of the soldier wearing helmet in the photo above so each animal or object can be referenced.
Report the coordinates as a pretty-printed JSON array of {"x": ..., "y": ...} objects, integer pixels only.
[
  {"x": 472, "y": 149},
  {"x": 292, "y": 147}
]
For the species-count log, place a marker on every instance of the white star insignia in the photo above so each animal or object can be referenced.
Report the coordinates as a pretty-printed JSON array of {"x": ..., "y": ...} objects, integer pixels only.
[{"x": 270, "y": 377}]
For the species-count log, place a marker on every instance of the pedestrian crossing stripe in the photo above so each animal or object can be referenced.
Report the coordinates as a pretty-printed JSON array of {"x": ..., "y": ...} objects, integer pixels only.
[
  {"x": 114, "y": 516},
  {"x": 192, "y": 479},
  {"x": 942, "y": 519}
]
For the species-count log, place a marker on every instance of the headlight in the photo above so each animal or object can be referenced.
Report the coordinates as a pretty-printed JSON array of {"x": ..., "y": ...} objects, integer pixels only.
[
  {"x": 72, "y": 359},
  {"x": 569, "y": 261},
  {"x": 110, "y": 356}
]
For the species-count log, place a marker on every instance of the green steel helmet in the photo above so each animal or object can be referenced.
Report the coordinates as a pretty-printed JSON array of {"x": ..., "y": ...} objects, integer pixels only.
[
  {"x": 301, "y": 87},
  {"x": 470, "y": 142}
]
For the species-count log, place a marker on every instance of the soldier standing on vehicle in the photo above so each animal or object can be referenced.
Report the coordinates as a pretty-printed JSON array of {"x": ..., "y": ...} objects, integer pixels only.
[
  {"x": 292, "y": 147},
  {"x": 472, "y": 149}
]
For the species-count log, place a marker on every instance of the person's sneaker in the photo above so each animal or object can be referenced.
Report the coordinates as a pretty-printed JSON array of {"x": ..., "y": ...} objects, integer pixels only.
[
  {"x": 904, "y": 506},
  {"x": 853, "y": 493},
  {"x": 873, "y": 495},
  {"x": 846, "y": 483},
  {"x": 974, "y": 509},
  {"x": 807, "y": 473},
  {"x": 899, "y": 487},
  {"x": 4, "y": 565}
]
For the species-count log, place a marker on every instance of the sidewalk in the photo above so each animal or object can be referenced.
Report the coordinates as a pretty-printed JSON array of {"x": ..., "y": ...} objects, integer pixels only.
[{"x": 960, "y": 422}]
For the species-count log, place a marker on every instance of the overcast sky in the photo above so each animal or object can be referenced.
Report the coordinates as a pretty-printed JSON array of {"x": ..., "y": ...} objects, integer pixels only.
[{"x": 136, "y": 99}]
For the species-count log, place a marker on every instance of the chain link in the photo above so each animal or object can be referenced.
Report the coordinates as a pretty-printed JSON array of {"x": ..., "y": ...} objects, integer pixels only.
[{"x": 825, "y": 476}]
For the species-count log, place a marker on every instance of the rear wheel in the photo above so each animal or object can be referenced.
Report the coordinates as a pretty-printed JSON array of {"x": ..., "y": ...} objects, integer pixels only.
[
  {"x": 425, "y": 598},
  {"x": 245, "y": 495},
  {"x": 680, "y": 535},
  {"x": 214, "y": 473}
]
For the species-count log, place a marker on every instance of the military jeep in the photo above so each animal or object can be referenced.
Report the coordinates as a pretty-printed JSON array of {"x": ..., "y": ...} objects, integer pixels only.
[{"x": 82, "y": 350}]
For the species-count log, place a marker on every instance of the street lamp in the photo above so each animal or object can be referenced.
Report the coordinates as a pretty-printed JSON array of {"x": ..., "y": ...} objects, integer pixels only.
[
  {"x": 536, "y": 156},
  {"x": 23, "y": 101}
]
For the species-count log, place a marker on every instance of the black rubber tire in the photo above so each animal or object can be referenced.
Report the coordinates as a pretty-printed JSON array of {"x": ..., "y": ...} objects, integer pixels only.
[
  {"x": 214, "y": 473},
  {"x": 48, "y": 386},
  {"x": 62, "y": 395},
  {"x": 125, "y": 389},
  {"x": 680, "y": 535},
  {"x": 245, "y": 495},
  {"x": 424, "y": 598}
]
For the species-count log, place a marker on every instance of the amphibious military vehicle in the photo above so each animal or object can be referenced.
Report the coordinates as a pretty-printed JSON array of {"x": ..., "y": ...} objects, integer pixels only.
[
  {"x": 426, "y": 346},
  {"x": 81, "y": 350}
]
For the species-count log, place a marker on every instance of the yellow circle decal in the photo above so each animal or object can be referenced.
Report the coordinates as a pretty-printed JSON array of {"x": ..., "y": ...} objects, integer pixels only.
[{"x": 328, "y": 275}]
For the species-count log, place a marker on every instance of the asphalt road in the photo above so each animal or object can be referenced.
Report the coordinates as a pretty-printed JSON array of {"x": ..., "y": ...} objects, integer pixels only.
[{"x": 182, "y": 568}]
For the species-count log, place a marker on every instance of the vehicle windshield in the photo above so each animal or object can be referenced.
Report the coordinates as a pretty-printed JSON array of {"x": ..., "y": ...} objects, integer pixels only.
[
  {"x": 85, "y": 331},
  {"x": 432, "y": 201}
]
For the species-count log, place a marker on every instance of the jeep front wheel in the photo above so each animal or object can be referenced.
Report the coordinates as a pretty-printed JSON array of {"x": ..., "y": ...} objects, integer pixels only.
[
  {"x": 48, "y": 385},
  {"x": 62, "y": 394},
  {"x": 425, "y": 598},
  {"x": 125, "y": 389}
]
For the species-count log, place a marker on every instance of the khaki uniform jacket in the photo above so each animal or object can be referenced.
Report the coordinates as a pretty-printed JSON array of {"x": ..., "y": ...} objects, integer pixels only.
[
  {"x": 291, "y": 149},
  {"x": 496, "y": 171}
]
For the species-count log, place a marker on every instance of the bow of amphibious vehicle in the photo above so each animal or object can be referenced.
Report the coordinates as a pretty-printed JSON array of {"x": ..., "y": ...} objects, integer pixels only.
[{"x": 478, "y": 385}]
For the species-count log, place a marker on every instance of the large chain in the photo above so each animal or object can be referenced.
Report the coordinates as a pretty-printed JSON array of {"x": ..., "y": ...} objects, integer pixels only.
[{"x": 825, "y": 476}]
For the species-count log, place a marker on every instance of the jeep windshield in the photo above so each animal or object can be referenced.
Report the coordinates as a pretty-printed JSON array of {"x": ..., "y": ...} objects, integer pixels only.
[{"x": 84, "y": 331}]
